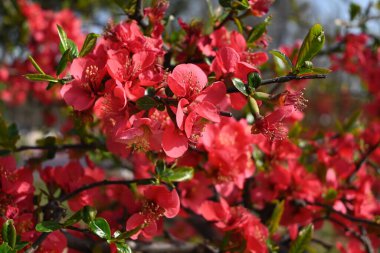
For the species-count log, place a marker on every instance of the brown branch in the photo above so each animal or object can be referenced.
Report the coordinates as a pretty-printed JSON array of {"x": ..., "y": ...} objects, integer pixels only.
[
  {"x": 362, "y": 161},
  {"x": 346, "y": 216},
  {"x": 282, "y": 79},
  {"x": 104, "y": 183}
]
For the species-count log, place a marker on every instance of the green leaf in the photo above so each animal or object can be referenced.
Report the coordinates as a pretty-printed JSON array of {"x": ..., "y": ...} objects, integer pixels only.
[
  {"x": 145, "y": 103},
  {"x": 122, "y": 247},
  {"x": 240, "y": 4},
  {"x": 9, "y": 233},
  {"x": 311, "y": 45},
  {"x": 160, "y": 167},
  {"x": 283, "y": 57},
  {"x": 180, "y": 174},
  {"x": 303, "y": 239},
  {"x": 354, "y": 10},
  {"x": 88, "y": 44},
  {"x": 257, "y": 31},
  {"x": 9, "y": 135},
  {"x": 63, "y": 62},
  {"x": 76, "y": 217},
  {"x": 240, "y": 85},
  {"x": 129, "y": 7},
  {"x": 275, "y": 219},
  {"x": 35, "y": 65},
  {"x": 89, "y": 214},
  {"x": 254, "y": 80},
  {"x": 4, "y": 248},
  {"x": 225, "y": 3},
  {"x": 239, "y": 25},
  {"x": 101, "y": 228},
  {"x": 48, "y": 226},
  {"x": 41, "y": 77},
  {"x": 73, "y": 49},
  {"x": 349, "y": 124},
  {"x": 312, "y": 71},
  {"x": 20, "y": 245},
  {"x": 128, "y": 234},
  {"x": 63, "y": 38}
]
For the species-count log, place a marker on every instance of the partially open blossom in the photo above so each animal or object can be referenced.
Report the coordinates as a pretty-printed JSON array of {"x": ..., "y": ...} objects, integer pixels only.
[{"x": 157, "y": 202}]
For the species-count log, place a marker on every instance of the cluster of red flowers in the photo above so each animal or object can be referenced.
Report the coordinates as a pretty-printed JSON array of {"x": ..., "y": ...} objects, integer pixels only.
[{"x": 164, "y": 116}]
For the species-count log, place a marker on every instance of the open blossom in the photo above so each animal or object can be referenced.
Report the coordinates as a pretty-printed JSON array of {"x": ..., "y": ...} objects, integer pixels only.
[
  {"x": 260, "y": 7},
  {"x": 229, "y": 142},
  {"x": 187, "y": 80},
  {"x": 143, "y": 134},
  {"x": 294, "y": 98},
  {"x": 157, "y": 202},
  {"x": 83, "y": 91},
  {"x": 271, "y": 125},
  {"x": 238, "y": 220}
]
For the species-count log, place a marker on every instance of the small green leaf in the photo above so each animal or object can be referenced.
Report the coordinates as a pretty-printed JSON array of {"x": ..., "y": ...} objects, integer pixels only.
[
  {"x": 128, "y": 234},
  {"x": 73, "y": 49},
  {"x": 63, "y": 62},
  {"x": 240, "y": 4},
  {"x": 88, "y": 44},
  {"x": 350, "y": 123},
  {"x": 89, "y": 214},
  {"x": 63, "y": 38},
  {"x": 240, "y": 85},
  {"x": 35, "y": 65},
  {"x": 303, "y": 239},
  {"x": 122, "y": 247},
  {"x": 354, "y": 10},
  {"x": 145, "y": 103},
  {"x": 283, "y": 57},
  {"x": 180, "y": 174},
  {"x": 258, "y": 30},
  {"x": 312, "y": 71},
  {"x": 275, "y": 219},
  {"x": 160, "y": 167},
  {"x": 311, "y": 45},
  {"x": 20, "y": 245},
  {"x": 48, "y": 226},
  {"x": 254, "y": 80},
  {"x": 9, "y": 233},
  {"x": 239, "y": 25},
  {"x": 76, "y": 217},
  {"x": 41, "y": 77},
  {"x": 101, "y": 228}
]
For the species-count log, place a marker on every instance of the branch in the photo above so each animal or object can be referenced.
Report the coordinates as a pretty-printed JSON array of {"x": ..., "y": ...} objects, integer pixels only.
[
  {"x": 58, "y": 148},
  {"x": 346, "y": 216},
  {"x": 281, "y": 79},
  {"x": 139, "y": 15},
  {"x": 361, "y": 237},
  {"x": 362, "y": 160},
  {"x": 104, "y": 183}
]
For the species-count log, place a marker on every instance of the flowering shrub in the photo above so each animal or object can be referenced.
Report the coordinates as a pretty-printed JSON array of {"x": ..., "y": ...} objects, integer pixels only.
[{"x": 178, "y": 141}]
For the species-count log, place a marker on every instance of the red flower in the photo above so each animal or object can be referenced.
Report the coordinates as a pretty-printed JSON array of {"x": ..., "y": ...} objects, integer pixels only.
[
  {"x": 271, "y": 125},
  {"x": 187, "y": 80},
  {"x": 82, "y": 92},
  {"x": 157, "y": 202}
]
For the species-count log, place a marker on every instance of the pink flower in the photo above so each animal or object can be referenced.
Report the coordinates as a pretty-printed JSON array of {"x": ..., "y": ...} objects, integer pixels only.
[
  {"x": 271, "y": 125},
  {"x": 187, "y": 80},
  {"x": 157, "y": 202},
  {"x": 83, "y": 91},
  {"x": 227, "y": 64},
  {"x": 260, "y": 7}
]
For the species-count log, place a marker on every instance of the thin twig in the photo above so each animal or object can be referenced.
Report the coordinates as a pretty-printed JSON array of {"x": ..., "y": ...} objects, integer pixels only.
[
  {"x": 282, "y": 79},
  {"x": 104, "y": 183},
  {"x": 361, "y": 161}
]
